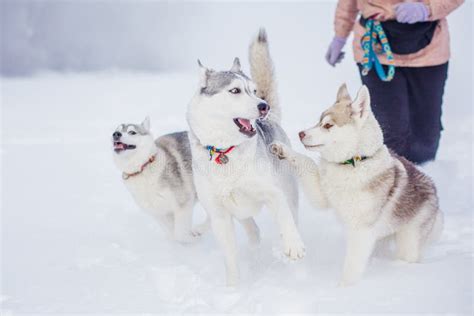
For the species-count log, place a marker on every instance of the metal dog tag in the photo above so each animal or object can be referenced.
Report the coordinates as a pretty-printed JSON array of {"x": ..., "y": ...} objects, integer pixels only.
[{"x": 223, "y": 159}]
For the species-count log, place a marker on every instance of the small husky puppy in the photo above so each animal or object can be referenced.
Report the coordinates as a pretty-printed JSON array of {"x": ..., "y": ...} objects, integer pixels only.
[
  {"x": 374, "y": 192},
  {"x": 232, "y": 122},
  {"x": 158, "y": 174}
]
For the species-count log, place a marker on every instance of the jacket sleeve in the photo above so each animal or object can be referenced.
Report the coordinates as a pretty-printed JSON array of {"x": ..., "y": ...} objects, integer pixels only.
[
  {"x": 346, "y": 14},
  {"x": 441, "y": 8}
]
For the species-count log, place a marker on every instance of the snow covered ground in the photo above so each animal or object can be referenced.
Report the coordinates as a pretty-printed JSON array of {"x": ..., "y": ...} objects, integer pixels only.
[{"x": 74, "y": 241}]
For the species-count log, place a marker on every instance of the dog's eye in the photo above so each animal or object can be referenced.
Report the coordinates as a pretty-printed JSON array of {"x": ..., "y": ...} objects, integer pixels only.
[
  {"x": 327, "y": 126},
  {"x": 235, "y": 91},
  {"x": 255, "y": 91},
  {"x": 132, "y": 132}
]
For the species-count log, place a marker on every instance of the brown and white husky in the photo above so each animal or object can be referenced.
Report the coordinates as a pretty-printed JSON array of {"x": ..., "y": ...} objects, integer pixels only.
[{"x": 374, "y": 192}]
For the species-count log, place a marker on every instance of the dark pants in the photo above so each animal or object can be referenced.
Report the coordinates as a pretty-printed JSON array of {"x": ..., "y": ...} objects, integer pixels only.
[{"x": 408, "y": 109}]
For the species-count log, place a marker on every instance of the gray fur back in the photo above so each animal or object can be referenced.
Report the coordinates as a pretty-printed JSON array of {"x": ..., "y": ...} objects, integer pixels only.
[
  {"x": 418, "y": 191},
  {"x": 178, "y": 169}
]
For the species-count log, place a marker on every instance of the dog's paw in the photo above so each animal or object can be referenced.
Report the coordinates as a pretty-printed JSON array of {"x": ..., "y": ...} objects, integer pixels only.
[
  {"x": 197, "y": 232},
  {"x": 232, "y": 281},
  {"x": 200, "y": 229},
  {"x": 294, "y": 248},
  {"x": 347, "y": 282},
  {"x": 279, "y": 150},
  {"x": 349, "y": 278},
  {"x": 187, "y": 238}
]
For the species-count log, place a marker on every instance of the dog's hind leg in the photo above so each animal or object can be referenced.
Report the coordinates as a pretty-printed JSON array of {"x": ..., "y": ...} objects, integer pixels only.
[
  {"x": 360, "y": 244},
  {"x": 252, "y": 230},
  {"x": 418, "y": 232},
  {"x": 409, "y": 244},
  {"x": 166, "y": 221},
  {"x": 434, "y": 234},
  {"x": 223, "y": 228},
  {"x": 412, "y": 236}
]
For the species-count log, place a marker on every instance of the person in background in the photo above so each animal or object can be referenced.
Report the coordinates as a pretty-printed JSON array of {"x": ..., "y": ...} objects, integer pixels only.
[{"x": 408, "y": 107}]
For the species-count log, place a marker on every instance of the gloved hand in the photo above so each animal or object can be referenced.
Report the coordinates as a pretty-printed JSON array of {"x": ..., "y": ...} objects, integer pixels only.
[
  {"x": 335, "y": 54},
  {"x": 412, "y": 12}
]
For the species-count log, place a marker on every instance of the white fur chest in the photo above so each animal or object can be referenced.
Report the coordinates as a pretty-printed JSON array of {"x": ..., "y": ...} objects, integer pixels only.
[
  {"x": 149, "y": 192},
  {"x": 348, "y": 193},
  {"x": 235, "y": 186}
]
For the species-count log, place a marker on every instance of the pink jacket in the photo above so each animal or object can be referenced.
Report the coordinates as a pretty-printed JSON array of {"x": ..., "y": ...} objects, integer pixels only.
[{"x": 436, "y": 53}]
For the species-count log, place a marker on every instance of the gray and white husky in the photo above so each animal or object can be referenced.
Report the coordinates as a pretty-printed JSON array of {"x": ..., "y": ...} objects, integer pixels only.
[
  {"x": 158, "y": 174},
  {"x": 232, "y": 121},
  {"x": 374, "y": 192}
]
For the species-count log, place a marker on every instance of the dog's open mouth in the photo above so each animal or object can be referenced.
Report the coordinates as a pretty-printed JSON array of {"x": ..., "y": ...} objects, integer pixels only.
[
  {"x": 245, "y": 127},
  {"x": 312, "y": 146},
  {"x": 119, "y": 147}
]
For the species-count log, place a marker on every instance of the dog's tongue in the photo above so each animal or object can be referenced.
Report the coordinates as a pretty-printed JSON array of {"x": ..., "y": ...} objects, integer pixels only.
[
  {"x": 119, "y": 146},
  {"x": 245, "y": 123}
]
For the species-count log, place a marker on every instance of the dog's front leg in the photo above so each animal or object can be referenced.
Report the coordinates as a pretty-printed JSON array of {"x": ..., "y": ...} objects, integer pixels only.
[
  {"x": 183, "y": 219},
  {"x": 360, "y": 244},
  {"x": 306, "y": 170},
  {"x": 293, "y": 246},
  {"x": 223, "y": 227}
]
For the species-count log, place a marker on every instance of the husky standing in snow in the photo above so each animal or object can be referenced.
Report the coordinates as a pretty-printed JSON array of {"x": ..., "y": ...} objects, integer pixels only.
[
  {"x": 232, "y": 122},
  {"x": 373, "y": 191},
  {"x": 158, "y": 174}
]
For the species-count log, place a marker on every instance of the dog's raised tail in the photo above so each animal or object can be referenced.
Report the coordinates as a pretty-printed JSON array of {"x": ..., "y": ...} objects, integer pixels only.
[{"x": 263, "y": 73}]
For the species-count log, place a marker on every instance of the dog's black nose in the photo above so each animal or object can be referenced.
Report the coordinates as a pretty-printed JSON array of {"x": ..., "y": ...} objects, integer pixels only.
[
  {"x": 116, "y": 135},
  {"x": 263, "y": 108}
]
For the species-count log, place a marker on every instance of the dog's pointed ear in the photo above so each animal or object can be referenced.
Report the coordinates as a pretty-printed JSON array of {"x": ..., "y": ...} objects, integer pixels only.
[
  {"x": 360, "y": 108},
  {"x": 204, "y": 73},
  {"x": 343, "y": 93},
  {"x": 236, "y": 66},
  {"x": 146, "y": 124}
]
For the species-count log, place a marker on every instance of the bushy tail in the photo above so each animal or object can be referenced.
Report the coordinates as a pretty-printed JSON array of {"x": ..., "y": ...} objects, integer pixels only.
[{"x": 263, "y": 74}]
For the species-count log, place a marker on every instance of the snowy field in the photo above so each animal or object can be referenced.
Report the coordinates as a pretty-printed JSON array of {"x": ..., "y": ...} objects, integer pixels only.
[{"x": 73, "y": 240}]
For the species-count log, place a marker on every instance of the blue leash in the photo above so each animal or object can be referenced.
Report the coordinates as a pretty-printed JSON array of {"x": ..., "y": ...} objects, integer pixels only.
[{"x": 373, "y": 29}]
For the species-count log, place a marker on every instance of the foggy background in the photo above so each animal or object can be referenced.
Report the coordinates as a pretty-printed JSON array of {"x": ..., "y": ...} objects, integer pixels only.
[
  {"x": 167, "y": 37},
  {"x": 161, "y": 36},
  {"x": 148, "y": 36}
]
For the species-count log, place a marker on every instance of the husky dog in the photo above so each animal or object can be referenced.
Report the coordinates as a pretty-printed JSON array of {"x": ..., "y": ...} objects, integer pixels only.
[
  {"x": 158, "y": 174},
  {"x": 374, "y": 192},
  {"x": 231, "y": 126}
]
